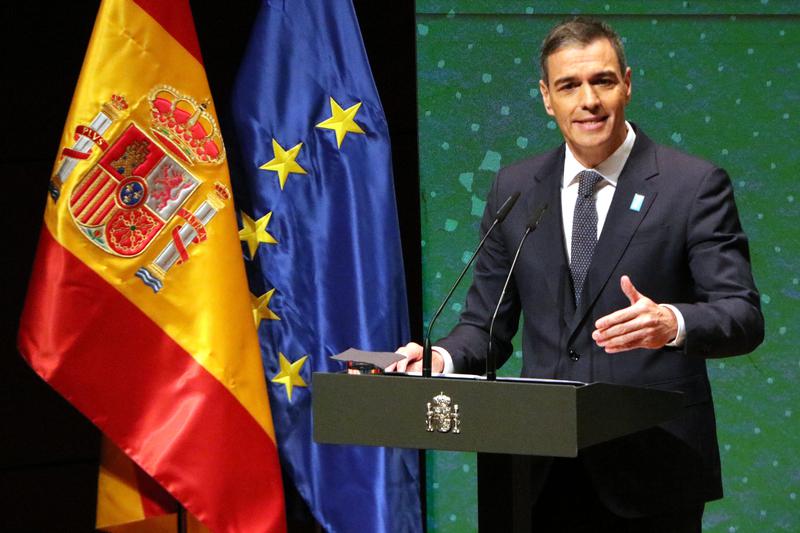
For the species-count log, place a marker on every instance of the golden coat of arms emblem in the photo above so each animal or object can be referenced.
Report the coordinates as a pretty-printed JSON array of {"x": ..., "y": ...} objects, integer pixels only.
[
  {"x": 142, "y": 179},
  {"x": 443, "y": 415}
]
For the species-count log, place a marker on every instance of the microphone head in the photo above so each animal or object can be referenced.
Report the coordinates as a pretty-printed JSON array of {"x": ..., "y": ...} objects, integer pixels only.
[
  {"x": 536, "y": 217},
  {"x": 506, "y": 207}
]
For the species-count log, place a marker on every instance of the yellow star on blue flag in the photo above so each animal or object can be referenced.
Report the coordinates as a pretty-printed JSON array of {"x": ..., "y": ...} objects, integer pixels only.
[
  {"x": 342, "y": 121},
  {"x": 261, "y": 309},
  {"x": 283, "y": 162},
  {"x": 289, "y": 375},
  {"x": 254, "y": 232}
]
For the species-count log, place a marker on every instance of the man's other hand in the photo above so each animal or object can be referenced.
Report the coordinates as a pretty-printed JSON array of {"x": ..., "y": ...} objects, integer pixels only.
[
  {"x": 644, "y": 324},
  {"x": 413, "y": 360}
]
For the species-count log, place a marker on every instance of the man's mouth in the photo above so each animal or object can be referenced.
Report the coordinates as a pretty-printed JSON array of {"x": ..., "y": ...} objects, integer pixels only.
[{"x": 592, "y": 123}]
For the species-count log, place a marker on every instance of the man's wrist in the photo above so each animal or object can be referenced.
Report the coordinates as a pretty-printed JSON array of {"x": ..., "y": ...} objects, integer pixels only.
[
  {"x": 680, "y": 335},
  {"x": 447, "y": 359}
]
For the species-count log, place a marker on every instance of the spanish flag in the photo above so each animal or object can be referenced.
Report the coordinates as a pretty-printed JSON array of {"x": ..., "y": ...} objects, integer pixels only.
[
  {"x": 128, "y": 497},
  {"x": 138, "y": 310}
]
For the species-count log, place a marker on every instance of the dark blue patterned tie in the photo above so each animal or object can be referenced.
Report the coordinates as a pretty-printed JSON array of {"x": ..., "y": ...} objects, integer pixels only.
[{"x": 584, "y": 231}]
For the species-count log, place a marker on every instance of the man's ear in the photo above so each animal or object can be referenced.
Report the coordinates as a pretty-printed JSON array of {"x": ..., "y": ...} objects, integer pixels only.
[
  {"x": 546, "y": 97},
  {"x": 628, "y": 87}
]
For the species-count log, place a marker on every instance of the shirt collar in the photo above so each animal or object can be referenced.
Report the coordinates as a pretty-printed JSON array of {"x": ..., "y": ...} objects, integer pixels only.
[{"x": 610, "y": 169}]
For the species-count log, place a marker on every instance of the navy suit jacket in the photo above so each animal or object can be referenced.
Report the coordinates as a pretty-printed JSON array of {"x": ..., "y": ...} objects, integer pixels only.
[{"x": 685, "y": 246}]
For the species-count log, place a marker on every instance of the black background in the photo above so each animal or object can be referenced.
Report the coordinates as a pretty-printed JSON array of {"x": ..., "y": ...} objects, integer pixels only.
[{"x": 48, "y": 451}]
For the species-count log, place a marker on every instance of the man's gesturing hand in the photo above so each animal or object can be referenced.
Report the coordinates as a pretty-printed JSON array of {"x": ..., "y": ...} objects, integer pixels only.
[
  {"x": 413, "y": 360},
  {"x": 644, "y": 324}
]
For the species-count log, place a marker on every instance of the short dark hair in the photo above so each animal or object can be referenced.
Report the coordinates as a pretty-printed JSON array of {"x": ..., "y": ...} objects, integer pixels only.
[{"x": 582, "y": 31}]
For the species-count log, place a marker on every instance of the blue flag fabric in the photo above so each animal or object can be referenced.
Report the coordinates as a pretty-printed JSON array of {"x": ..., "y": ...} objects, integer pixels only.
[{"x": 320, "y": 235}]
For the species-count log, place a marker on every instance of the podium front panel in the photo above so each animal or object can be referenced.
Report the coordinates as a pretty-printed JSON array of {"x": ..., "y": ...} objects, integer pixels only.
[{"x": 498, "y": 417}]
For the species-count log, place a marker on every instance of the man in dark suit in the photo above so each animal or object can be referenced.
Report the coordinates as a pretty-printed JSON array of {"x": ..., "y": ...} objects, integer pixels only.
[{"x": 637, "y": 273}]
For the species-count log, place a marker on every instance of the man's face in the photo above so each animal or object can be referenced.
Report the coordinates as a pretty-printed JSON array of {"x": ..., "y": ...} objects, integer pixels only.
[{"x": 587, "y": 94}]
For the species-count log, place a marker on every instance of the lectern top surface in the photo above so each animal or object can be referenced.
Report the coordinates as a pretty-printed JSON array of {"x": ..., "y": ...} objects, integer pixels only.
[{"x": 473, "y": 377}]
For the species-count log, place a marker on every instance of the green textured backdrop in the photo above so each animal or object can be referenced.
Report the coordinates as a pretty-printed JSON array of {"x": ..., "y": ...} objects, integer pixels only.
[{"x": 718, "y": 79}]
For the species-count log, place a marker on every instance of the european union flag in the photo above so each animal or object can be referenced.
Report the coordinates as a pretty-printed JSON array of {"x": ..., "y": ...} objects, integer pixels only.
[{"x": 319, "y": 221}]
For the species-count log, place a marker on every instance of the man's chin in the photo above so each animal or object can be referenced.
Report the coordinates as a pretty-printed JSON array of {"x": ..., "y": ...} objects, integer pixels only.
[
  {"x": 591, "y": 150},
  {"x": 591, "y": 142}
]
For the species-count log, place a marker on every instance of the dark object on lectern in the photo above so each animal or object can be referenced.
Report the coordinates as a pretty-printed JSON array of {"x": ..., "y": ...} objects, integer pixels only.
[
  {"x": 515, "y": 416},
  {"x": 379, "y": 360}
]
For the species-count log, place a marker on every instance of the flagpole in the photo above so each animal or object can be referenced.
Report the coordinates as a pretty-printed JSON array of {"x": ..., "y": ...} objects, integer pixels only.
[{"x": 182, "y": 519}]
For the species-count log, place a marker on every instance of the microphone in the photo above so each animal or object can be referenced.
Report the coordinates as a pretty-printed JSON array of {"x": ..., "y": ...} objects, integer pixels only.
[
  {"x": 533, "y": 223},
  {"x": 427, "y": 353}
]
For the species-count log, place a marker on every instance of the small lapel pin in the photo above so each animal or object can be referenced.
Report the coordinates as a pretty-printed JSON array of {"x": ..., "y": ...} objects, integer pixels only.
[{"x": 636, "y": 203}]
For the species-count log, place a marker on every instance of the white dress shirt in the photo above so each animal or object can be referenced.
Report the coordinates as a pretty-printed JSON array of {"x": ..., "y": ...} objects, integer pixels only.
[{"x": 610, "y": 169}]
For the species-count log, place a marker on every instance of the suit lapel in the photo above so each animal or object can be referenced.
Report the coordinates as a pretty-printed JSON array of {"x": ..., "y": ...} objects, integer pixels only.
[
  {"x": 550, "y": 233},
  {"x": 624, "y": 217}
]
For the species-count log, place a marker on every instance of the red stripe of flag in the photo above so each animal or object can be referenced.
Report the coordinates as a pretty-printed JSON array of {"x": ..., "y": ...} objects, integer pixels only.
[
  {"x": 147, "y": 394},
  {"x": 181, "y": 28},
  {"x": 155, "y": 500}
]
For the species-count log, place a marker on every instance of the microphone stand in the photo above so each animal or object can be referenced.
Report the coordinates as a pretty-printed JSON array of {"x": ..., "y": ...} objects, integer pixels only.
[
  {"x": 427, "y": 352},
  {"x": 491, "y": 359}
]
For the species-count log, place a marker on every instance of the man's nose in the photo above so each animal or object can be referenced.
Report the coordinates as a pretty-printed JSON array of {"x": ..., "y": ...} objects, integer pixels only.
[{"x": 589, "y": 99}]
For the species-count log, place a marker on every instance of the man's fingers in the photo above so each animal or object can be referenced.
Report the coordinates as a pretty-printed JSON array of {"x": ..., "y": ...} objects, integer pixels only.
[
  {"x": 620, "y": 349},
  {"x": 617, "y": 317},
  {"x": 413, "y": 360},
  {"x": 402, "y": 365},
  {"x": 644, "y": 332},
  {"x": 415, "y": 366},
  {"x": 623, "y": 334},
  {"x": 644, "y": 324},
  {"x": 633, "y": 339},
  {"x": 638, "y": 321},
  {"x": 629, "y": 290},
  {"x": 639, "y": 304},
  {"x": 601, "y": 336},
  {"x": 413, "y": 353},
  {"x": 642, "y": 338},
  {"x": 409, "y": 364}
]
